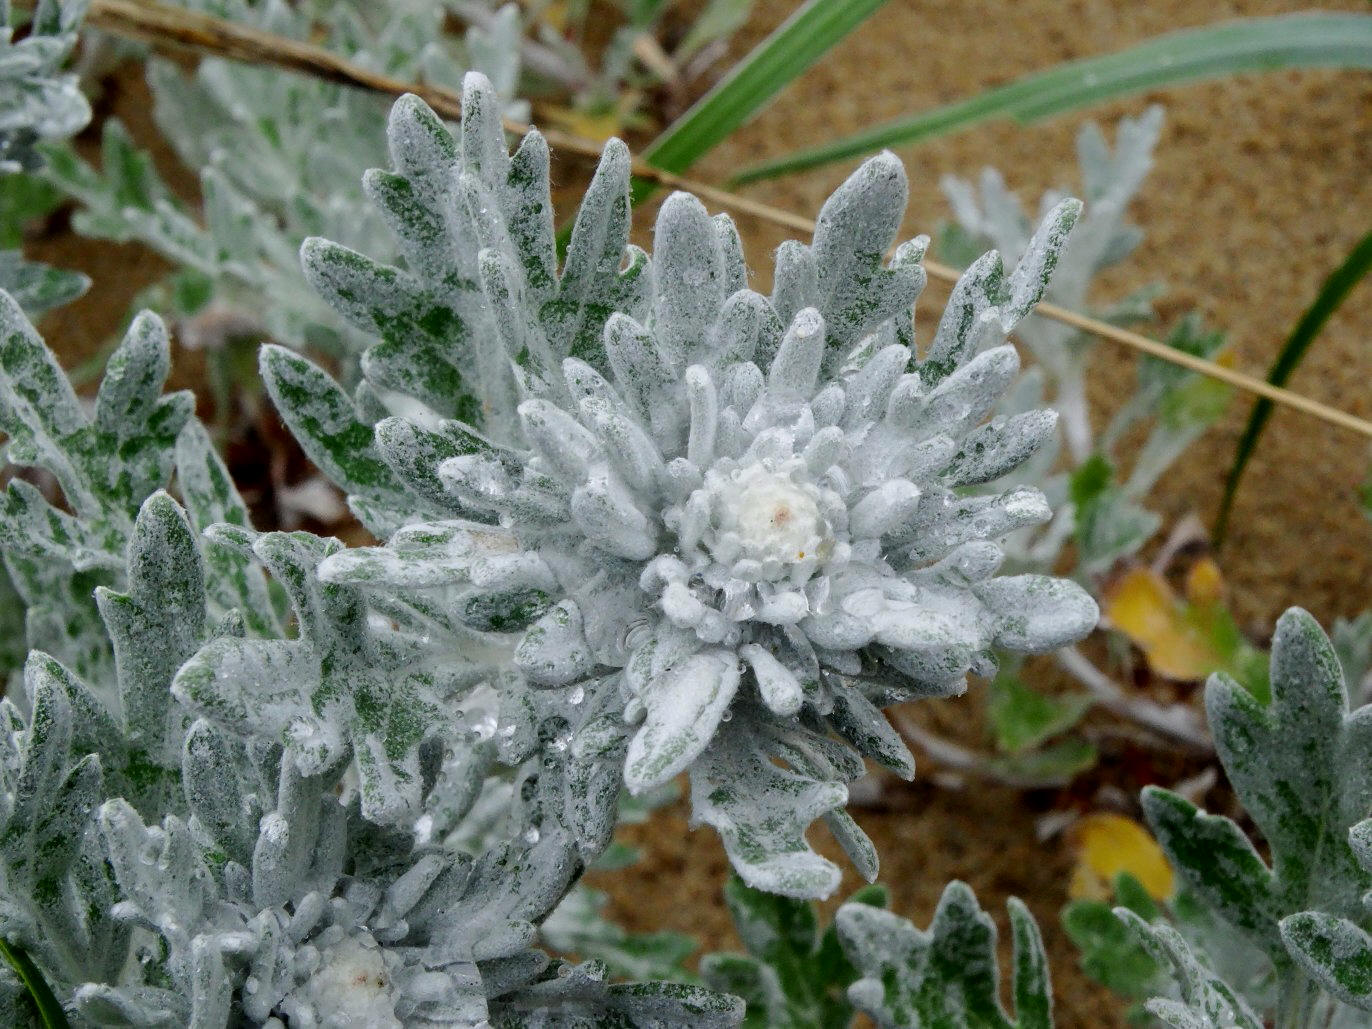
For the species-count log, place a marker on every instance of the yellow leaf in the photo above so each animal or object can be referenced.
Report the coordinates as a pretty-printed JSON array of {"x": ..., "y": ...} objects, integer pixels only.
[
  {"x": 1204, "y": 583},
  {"x": 1143, "y": 607},
  {"x": 554, "y": 15},
  {"x": 1109, "y": 844}
]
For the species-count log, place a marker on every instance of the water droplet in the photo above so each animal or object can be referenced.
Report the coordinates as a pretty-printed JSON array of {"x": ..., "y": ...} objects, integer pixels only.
[
  {"x": 634, "y": 634},
  {"x": 727, "y": 716}
]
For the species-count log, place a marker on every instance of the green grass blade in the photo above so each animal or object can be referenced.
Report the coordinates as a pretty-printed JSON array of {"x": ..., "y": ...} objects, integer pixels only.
[
  {"x": 1305, "y": 40},
  {"x": 748, "y": 87},
  {"x": 1331, "y": 295},
  {"x": 751, "y": 84},
  {"x": 49, "y": 1010}
]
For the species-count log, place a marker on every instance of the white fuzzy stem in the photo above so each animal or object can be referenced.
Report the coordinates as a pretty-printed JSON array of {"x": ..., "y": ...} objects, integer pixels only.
[
  {"x": 1175, "y": 722},
  {"x": 956, "y": 758},
  {"x": 1074, "y": 415}
]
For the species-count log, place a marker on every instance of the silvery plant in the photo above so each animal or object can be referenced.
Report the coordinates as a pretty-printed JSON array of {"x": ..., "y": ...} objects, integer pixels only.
[
  {"x": 711, "y": 528},
  {"x": 1096, "y": 506},
  {"x": 635, "y": 520},
  {"x": 1096, "y": 486},
  {"x": 1277, "y": 938},
  {"x": 638, "y": 520},
  {"x": 253, "y": 135},
  {"x": 163, "y": 868},
  {"x": 38, "y": 101}
]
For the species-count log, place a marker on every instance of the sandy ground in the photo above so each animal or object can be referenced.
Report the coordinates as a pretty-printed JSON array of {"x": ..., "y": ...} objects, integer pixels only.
[{"x": 1260, "y": 188}]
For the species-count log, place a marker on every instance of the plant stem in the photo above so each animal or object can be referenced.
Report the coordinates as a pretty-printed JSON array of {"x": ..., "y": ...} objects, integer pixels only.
[
  {"x": 1074, "y": 415},
  {"x": 1296, "y": 1002},
  {"x": 1175, "y": 722},
  {"x": 957, "y": 758}
]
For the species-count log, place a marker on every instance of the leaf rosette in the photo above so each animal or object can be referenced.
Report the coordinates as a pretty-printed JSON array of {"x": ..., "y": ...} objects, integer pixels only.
[{"x": 713, "y": 506}]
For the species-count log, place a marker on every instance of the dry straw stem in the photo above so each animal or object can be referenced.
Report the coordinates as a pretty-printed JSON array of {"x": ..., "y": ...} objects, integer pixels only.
[{"x": 162, "y": 25}]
